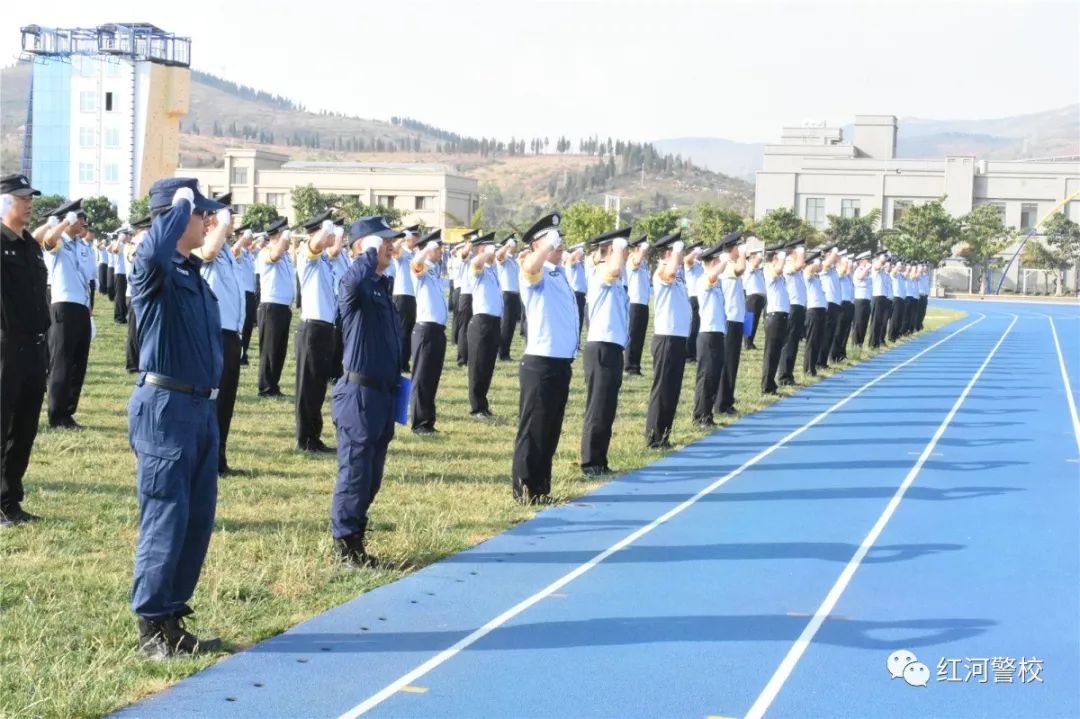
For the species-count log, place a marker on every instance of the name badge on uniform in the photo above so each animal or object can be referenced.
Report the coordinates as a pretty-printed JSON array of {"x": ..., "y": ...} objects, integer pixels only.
[{"x": 182, "y": 271}]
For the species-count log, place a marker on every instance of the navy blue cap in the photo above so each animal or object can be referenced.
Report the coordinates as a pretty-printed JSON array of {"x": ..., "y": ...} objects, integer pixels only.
[
  {"x": 644, "y": 239},
  {"x": 73, "y": 206},
  {"x": 545, "y": 223},
  {"x": 162, "y": 191},
  {"x": 488, "y": 239},
  {"x": 316, "y": 222},
  {"x": 667, "y": 240},
  {"x": 374, "y": 225},
  {"x": 435, "y": 236},
  {"x": 277, "y": 225},
  {"x": 606, "y": 238},
  {"x": 18, "y": 185},
  {"x": 714, "y": 251},
  {"x": 731, "y": 239},
  {"x": 470, "y": 234}
]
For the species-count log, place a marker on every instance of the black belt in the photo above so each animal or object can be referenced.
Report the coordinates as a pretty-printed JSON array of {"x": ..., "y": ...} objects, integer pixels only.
[
  {"x": 770, "y": 314},
  {"x": 177, "y": 386},
  {"x": 318, "y": 322},
  {"x": 36, "y": 338},
  {"x": 431, "y": 324},
  {"x": 364, "y": 381}
]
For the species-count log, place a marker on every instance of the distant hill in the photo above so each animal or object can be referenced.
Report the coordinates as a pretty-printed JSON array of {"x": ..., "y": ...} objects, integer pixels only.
[
  {"x": 223, "y": 114},
  {"x": 1049, "y": 133}
]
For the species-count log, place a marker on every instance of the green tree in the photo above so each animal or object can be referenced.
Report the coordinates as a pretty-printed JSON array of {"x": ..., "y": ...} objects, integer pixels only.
[
  {"x": 782, "y": 225},
  {"x": 101, "y": 214},
  {"x": 857, "y": 234},
  {"x": 658, "y": 224},
  {"x": 924, "y": 232},
  {"x": 983, "y": 234},
  {"x": 1051, "y": 261},
  {"x": 582, "y": 221},
  {"x": 258, "y": 215},
  {"x": 42, "y": 206},
  {"x": 140, "y": 208},
  {"x": 308, "y": 201},
  {"x": 477, "y": 220},
  {"x": 711, "y": 222},
  {"x": 1064, "y": 236}
]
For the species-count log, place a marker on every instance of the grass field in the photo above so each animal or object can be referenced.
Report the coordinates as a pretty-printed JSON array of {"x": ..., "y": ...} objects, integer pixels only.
[{"x": 67, "y": 637}]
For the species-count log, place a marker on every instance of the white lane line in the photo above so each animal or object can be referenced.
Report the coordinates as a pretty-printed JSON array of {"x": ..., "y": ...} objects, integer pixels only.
[
  {"x": 447, "y": 654},
  {"x": 1068, "y": 385},
  {"x": 768, "y": 694}
]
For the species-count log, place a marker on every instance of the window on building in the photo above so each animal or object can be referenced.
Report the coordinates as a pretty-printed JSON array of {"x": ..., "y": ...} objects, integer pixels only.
[
  {"x": 108, "y": 102},
  {"x": 87, "y": 137},
  {"x": 815, "y": 211},
  {"x": 88, "y": 101},
  {"x": 899, "y": 207},
  {"x": 1000, "y": 207},
  {"x": 240, "y": 210},
  {"x": 275, "y": 199},
  {"x": 87, "y": 66},
  {"x": 1029, "y": 215},
  {"x": 849, "y": 208},
  {"x": 424, "y": 202},
  {"x": 87, "y": 172},
  {"x": 112, "y": 69},
  {"x": 386, "y": 201},
  {"x": 112, "y": 172},
  {"x": 112, "y": 137},
  {"x": 239, "y": 176}
]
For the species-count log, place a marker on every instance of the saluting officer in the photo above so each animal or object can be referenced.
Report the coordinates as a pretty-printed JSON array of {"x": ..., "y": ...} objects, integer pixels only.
[
  {"x": 796, "y": 325},
  {"x": 316, "y": 337},
  {"x": 220, "y": 270},
  {"x": 609, "y": 331},
  {"x": 896, "y": 320},
  {"x": 924, "y": 294},
  {"x": 672, "y": 327},
  {"x": 639, "y": 289},
  {"x": 545, "y": 370},
  {"x": 24, "y": 314},
  {"x": 244, "y": 251},
  {"x": 484, "y": 326},
  {"x": 429, "y": 333},
  {"x": 574, "y": 262},
  {"x": 363, "y": 399},
  {"x": 754, "y": 285},
  {"x": 847, "y": 308},
  {"x": 880, "y": 294},
  {"x": 710, "y": 341},
  {"x": 278, "y": 290},
  {"x": 830, "y": 285},
  {"x": 911, "y": 299},
  {"x": 863, "y": 287},
  {"x": 816, "y": 314},
  {"x": 120, "y": 308},
  {"x": 405, "y": 291},
  {"x": 735, "y": 308},
  {"x": 172, "y": 422},
  {"x": 103, "y": 258},
  {"x": 70, "y": 332},
  {"x": 779, "y": 307},
  {"x": 464, "y": 284},
  {"x": 693, "y": 271},
  {"x": 507, "y": 270}
]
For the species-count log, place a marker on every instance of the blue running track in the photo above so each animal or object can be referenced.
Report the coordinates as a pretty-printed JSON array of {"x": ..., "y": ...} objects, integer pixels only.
[{"x": 927, "y": 500}]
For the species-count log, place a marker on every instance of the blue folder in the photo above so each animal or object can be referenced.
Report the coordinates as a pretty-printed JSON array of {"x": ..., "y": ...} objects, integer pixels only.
[
  {"x": 401, "y": 403},
  {"x": 748, "y": 324}
]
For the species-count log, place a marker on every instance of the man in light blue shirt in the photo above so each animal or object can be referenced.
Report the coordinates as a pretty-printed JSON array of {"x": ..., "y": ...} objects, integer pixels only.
[
  {"x": 672, "y": 327},
  {"x": 754, "y": 286},
  {"x": 464, "y": 284},
  {"x": 861, "y": 290},
  {"x": 277, "y": 280},
  {"x": 779, "y": 307},
  {"x": 880, "y": 293},
  {"x": 924, "y": 294},
  {"x": 693, "y": 271},
  {"x": 816, "y": 313},
  {"x": 484, "y": 326},
  {"x": 316, "y": 336},
  {"x": 429, "y": 333},
  {"x": 507, "y": 271},
  {"x": 244, "y": 253},
  {"x": 830, "y": 285},
  {"x": 710, "y": 339},
  {"x": 796, "y": 325},
  {"x": 120, "y": 308},
  {"x": 639, "y": 289},
  {"x": 579, "y": 283},
  {"x": 545, "y": 370},
  {"x": 609, "y": 331},
  {"x": 896, "y": 319},
  {"x": 735, "y": 308},
  {"x": 404, "y": 294},
  {"x": 847, "y": 308}
]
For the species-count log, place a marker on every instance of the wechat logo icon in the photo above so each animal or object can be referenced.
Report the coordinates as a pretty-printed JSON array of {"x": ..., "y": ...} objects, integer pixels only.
[{"x": 903, "y": 664}]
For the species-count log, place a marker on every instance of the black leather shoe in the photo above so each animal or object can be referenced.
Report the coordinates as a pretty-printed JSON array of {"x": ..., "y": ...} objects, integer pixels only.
[
  {"x": 425, "y": 431},
  {"x": 350, "y": 549},
  {"x": 167, "y": 638}
]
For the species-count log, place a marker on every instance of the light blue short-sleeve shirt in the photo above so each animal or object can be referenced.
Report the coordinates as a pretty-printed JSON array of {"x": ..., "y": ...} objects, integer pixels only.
[
  {"x": 609, "y": 310},
  {"x": 551, "y": 314},
  {"x": 672, "y": 307}
]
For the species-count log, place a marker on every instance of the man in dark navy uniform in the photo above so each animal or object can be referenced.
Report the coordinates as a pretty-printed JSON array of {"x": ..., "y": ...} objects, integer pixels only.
[
  {"x": 172, "y": 417},
  {"x": 24, "y": 309},
  {"x": 363, "y": 399}
]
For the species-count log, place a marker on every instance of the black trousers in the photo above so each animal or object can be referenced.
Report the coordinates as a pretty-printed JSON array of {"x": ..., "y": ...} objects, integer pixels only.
[
  {"x": 274, "y": 322},
  {"x": 881, "y": 317},
  {"x": 861, "y": 321},
  {"x": 544, "y": 385},
  {"x": 111, "y": 280},
  {"x": 120, "y": 308},
  {"x": 695, "y": 327},
  {"x": 923, "y": 300},
  {"x": 639, "y": 325},
  {"x": 406, "y": 307},
  {"x": 455, "y": 301},
  {"x": 832, "y": 323},
  {"x": 230, "y": 381},
  {"x": 580, "y": 297},
  {"x": 710, "y": 372},
  {"x": 603, "y": 378},
  {"x": 429, "y": 352},
  {"x": 131, "y": 349},
  {"x": 754, "y": 303},
  {"x": 483, "y": 340},
  {"x": 775, "y": 334},
  {"x": 732, "y": 354},
  {"x": 251, "y": 308},
  {"x": 911, "y": 314},
  {"x": 796, "y": 328},
  {"x": 337, "y": 366},
  {"x": 511, "y": 317},
  {"x": 314, "y": 367},
  {"x": 464, "y": 316},
  {"x": 22, "y": 391},
  {"x": 843, "y": 331},
  {"x": 103, "y": 278},
  {"x": 669, "y": 362},
  {"x": 896, "y": 318},
  {"x": 816, "y": 322},
  {"x": 69, "y": 348}
]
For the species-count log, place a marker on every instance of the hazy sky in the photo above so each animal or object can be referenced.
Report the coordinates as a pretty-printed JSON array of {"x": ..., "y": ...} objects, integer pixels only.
[{"x": 630, "y": 68}]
